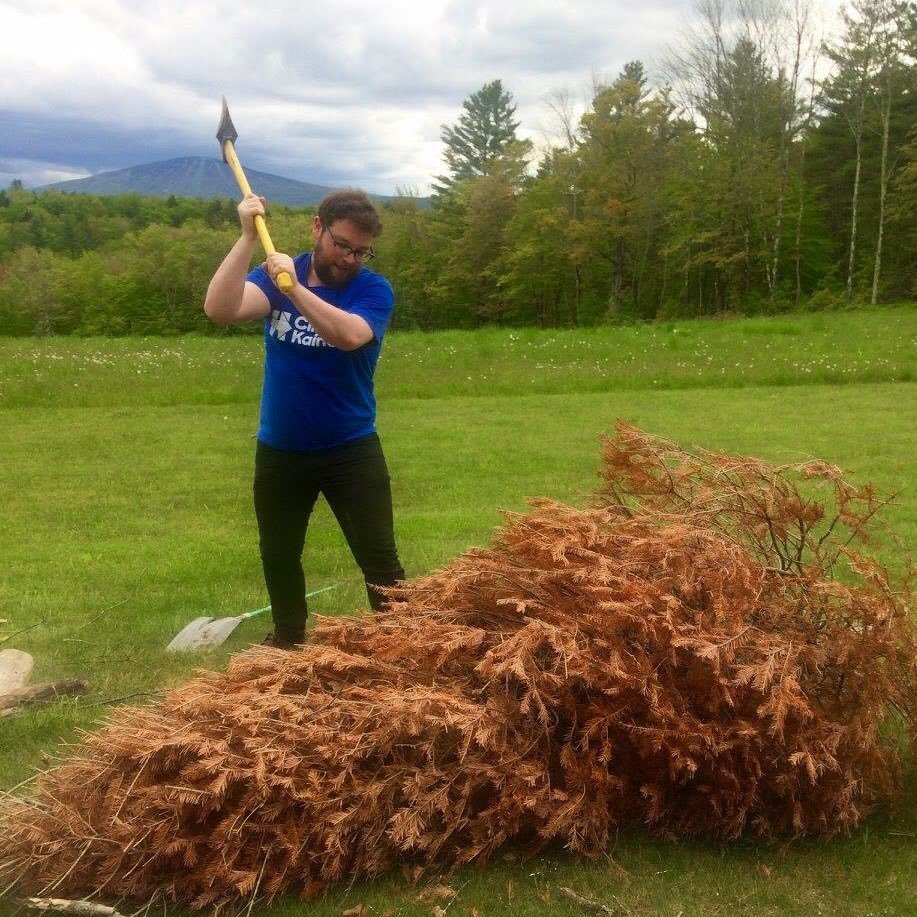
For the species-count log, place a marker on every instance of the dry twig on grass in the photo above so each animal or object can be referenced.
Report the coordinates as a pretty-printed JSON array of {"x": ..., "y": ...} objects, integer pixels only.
[
  {"x": 45, "y": 693},
  {"x": 65, "y": 906},
  {"x": 590, "y": 904}
]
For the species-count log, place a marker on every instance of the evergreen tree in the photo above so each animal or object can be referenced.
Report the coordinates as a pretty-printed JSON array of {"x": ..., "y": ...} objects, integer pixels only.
[
  {"x": 473, "y": 205},
  {"x": 484, "y": 134}
]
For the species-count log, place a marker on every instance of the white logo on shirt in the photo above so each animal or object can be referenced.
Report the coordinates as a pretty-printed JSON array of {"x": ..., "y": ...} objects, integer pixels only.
[
  {"x": 303, "y": 333},
  {"x": 280, "y": 324}
]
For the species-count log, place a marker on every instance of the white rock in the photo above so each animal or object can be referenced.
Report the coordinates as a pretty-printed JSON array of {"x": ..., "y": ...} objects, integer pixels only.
[{"x": 15, "y": 670}]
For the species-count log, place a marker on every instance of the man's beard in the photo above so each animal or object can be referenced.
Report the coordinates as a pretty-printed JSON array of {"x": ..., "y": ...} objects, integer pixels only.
[{"x": 330, "y": 274}]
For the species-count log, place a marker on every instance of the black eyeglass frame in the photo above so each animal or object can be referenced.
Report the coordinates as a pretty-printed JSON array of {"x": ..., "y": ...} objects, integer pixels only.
[{"x": 361, "y": 255}]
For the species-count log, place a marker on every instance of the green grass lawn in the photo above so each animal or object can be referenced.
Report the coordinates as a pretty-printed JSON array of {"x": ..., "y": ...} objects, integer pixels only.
[{"x": 126, "y": 511}]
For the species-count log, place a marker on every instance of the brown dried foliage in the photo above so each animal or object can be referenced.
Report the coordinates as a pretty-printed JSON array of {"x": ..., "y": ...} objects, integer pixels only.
[{"x": 685, "y": 655}]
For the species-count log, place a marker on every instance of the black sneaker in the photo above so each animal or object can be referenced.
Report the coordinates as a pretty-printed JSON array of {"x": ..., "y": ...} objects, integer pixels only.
[{"x": 281, "y": 644}]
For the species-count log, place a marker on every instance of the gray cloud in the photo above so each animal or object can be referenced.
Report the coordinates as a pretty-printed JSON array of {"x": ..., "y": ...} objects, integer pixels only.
[{"x": 342, "y": 92}]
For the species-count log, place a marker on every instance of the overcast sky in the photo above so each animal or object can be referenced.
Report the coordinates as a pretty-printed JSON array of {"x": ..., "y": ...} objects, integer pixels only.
[{"x": 337, "y": 92}]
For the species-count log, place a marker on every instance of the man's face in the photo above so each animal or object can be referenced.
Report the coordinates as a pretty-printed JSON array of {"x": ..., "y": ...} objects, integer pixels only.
[{"x": 333, "y": 258}]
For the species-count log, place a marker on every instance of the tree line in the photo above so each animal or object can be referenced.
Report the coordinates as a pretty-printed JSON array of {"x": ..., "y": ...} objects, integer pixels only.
[{"x": 742, "y": 180}]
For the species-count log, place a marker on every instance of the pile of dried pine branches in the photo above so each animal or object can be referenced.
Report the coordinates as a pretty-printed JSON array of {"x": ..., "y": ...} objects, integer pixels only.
[{"x": 686, "y": 654}]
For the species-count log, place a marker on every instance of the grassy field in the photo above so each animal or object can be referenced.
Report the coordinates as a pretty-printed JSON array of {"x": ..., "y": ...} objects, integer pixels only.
[{"x": 126, "y": 470}]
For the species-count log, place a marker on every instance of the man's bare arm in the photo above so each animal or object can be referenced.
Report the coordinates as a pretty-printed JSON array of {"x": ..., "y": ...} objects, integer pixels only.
[
  {"x": 334, "y": 326},
  {"x": 229, "y": 298}
]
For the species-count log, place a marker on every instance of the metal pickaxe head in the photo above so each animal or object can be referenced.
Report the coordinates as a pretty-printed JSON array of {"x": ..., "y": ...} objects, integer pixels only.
[
  {"x": 226, "y": 134},
  {"x": 226, "y": 130}
]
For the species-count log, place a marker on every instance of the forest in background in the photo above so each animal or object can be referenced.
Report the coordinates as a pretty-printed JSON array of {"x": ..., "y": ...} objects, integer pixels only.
[{"x": 741, "y": 181}]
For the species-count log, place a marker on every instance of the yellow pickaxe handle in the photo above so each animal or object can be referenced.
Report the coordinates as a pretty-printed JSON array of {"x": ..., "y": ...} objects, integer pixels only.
[{"x": 284, "y": 281}]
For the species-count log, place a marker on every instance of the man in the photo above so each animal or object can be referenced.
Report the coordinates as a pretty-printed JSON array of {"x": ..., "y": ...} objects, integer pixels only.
[{"x": 317, "y": 431}]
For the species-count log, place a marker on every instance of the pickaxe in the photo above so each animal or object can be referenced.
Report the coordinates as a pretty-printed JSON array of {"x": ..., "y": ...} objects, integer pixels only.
[{"x": 227, "y": 134}]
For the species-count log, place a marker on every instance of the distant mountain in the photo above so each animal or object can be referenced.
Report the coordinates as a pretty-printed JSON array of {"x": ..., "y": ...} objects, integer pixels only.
[{"x": 194, "y": 176}]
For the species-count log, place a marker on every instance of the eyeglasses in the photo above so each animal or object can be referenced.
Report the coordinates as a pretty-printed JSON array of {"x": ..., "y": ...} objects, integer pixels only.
[{"x": 361, "y": 254}]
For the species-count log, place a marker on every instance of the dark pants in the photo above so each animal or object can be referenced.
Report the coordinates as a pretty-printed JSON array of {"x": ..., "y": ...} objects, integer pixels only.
[{"x": 354, "y": 480}]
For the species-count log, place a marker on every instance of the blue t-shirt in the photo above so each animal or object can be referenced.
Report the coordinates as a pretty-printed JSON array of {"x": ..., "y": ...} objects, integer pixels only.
[{"x": 316, "y": 396}]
